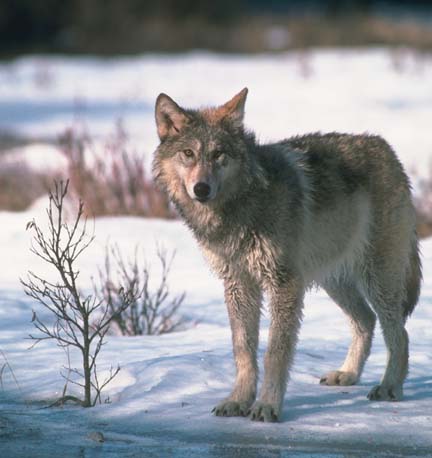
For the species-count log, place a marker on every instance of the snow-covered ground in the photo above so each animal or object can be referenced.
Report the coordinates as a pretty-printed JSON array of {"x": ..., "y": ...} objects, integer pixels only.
[
  {"x": 168, "y": 384},
  {"x": 160, "y": 402}
]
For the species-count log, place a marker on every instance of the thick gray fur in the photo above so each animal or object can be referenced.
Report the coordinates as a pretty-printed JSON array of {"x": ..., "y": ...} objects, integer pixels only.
[{"x": 331, "y": 210}]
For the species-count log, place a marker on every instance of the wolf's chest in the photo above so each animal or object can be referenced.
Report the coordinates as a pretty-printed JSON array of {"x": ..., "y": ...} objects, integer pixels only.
[{"x": 243, "y": 253}]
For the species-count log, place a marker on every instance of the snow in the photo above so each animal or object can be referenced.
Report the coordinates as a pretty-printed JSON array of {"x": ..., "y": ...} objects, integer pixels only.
[
  {"x": 39, "y": 157},
  {"x": 160, "y": 403},
  {"x": 168, "y": 384}
]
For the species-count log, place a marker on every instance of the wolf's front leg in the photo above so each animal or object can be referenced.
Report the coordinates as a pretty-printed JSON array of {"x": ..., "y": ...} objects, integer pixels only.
[
  {"x": 243, "y": 299},
  {"x": 286, "y": 313}
]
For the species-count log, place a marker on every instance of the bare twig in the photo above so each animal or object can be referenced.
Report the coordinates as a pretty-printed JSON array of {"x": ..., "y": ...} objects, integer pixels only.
[
  {"x": 5, "y": 366},
  {"x": 148, "y": 312}
]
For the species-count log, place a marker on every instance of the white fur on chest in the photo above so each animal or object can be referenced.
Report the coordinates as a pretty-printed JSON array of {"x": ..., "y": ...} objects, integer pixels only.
[{"x": 243, "y": 253}]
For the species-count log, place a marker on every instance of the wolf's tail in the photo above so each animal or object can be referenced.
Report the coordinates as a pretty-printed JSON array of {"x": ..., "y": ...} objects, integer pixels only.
[{"x": 413, "y": 281}]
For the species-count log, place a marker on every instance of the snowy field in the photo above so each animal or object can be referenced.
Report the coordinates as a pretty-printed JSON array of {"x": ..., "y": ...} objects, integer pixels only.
[
  {"x": 378, "y": 91},
  {"x": 161, "y": 400},
  {"x": 169, "y": 384}
]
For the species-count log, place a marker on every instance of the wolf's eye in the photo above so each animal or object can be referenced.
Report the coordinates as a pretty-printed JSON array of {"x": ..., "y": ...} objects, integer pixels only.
[
  {"x": 188, "y": 153},
  {"x": 217, "y": 154}
]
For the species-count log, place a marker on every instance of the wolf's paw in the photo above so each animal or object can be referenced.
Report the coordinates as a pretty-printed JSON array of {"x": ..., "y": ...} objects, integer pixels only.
[
  {"x": 385, "y": 393},
  {"x": 262, "y": 411},
  {"x": 232, "y": 409},
  {"x": 339, "y": 378}
]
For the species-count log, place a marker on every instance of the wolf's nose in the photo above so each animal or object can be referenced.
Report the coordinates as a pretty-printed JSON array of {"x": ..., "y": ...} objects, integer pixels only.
[{"x": 202, "y": 190}]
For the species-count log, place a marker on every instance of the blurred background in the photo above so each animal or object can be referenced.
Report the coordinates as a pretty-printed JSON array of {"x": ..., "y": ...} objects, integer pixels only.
[
  {"x": 134, "y": 26},
  {"x": 78, "y": 80}
]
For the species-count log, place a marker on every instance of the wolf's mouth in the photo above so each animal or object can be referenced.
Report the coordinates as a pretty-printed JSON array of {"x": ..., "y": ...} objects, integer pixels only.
[{"x": 202, "y": 200}]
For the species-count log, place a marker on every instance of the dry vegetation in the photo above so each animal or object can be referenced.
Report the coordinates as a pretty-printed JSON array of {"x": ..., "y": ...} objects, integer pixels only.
[
  {"x": 152, "y": 311},
  {"x": 20, "y": 186},
  {"x": 112, "y": 179}
]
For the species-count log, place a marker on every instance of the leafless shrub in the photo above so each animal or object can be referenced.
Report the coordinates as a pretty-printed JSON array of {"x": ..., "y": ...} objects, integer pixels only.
[
  {"x": 112, "y": 181},
  {"x": 150, "y": 312},
  {"x": 80, "y": 320}
]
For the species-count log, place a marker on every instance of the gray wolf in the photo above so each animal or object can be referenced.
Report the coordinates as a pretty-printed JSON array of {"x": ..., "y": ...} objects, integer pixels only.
[{"x": 330, "y": 210}]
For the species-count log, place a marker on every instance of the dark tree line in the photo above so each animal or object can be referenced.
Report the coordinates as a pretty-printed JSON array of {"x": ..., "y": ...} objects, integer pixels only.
[{"x": 141, "y": 25}]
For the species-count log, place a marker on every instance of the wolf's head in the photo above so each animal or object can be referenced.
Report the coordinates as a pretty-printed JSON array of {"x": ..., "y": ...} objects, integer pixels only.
[{"x": 202, "y": 158}]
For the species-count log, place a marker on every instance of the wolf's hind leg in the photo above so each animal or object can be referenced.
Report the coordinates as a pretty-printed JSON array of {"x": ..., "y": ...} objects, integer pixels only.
[
  {"x": 386, "y": 290},
  {"x": 392, "y": 322},
  {"x": 243, "y": 300},
  {"x": 362, "y": 321}
]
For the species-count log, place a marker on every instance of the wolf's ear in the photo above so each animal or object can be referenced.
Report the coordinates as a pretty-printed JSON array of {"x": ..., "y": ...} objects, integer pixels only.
[
  {"x": 234, "y": 109},
  {"x": 170, "y": 118}
]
